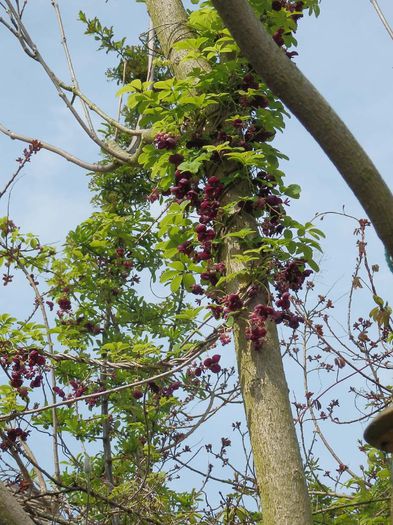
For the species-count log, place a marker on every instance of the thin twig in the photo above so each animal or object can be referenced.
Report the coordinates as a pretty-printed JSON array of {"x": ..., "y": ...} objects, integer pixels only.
[
  {"x": 120, "y": 103},
  {"x": 24, "y": 37},
  {"x": 146, "y": 134},
  {"x": 345, "y": 505},
  {"x": 69, "y": 60},
  {"x": 55, "y": 424},
  {"x": 102, "y": 168}
]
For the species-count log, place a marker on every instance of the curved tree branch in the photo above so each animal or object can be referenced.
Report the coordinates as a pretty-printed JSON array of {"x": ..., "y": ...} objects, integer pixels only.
[
  {"x": 70, "y": 65},
  {"x": 307, "y": 104}
]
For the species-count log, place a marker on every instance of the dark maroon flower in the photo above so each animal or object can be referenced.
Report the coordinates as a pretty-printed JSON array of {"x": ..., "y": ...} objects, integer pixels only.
[
  {"x": 208, "y": 362},
  {"x": 215, "y": 368},
  {"x": 277, "y": 5},
  {"x": 259, "y": 101},
  {"x": 36, "y": 382},
  {"x": 64, "y": 303},
  {"x": 137, "y": 394},
  {"x": 249, "y": 82},
  {"x": 59, "y": 392},
  {"x": 176, "y": 159},
  {"x": 197, "y": 289},
  {"x": 232, "y": 302},
  {"x": 23, "y": 392},
  {"x": 216, "y": 311},
  {"x": 277, "y": 37},
  {"x": 185, "y": 247},
  {"x": 165, "y": 141},
  {"x": 237, "y": 123},
  {"x": 225, "y": 338}
]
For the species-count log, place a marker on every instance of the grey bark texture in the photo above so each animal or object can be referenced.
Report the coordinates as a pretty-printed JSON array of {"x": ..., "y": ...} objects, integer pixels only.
[
  {"x": 11, "y": 512},
  {"x": 278, "y": 464},
  {"x": 289, "y": 84}
]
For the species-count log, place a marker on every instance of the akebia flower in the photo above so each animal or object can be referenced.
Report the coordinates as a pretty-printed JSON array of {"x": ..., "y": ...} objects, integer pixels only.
[
  {"x": 249, "y": 82},
  {"x": 165, "y": 141},
  {"x": 277, "y": 37},
  {"x": 185, "y": 247},
  {"x": 176, "y": 159},
  {"x": 211, "y": 363},
  {"x": 197, "y": 289},
  {"x": 64, "y": 303},
  {"x": 232, "y": 302}
]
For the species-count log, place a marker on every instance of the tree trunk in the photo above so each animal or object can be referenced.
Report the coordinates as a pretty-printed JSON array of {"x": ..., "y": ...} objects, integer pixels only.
[
  {"x": 277, "y": 459},
  {"x": 288, "y": 83},
  {"x": 11, "y": 513}
]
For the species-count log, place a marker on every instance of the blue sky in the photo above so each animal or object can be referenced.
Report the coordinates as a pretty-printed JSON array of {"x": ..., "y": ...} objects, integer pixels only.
[{"x": 346, "y": 53}]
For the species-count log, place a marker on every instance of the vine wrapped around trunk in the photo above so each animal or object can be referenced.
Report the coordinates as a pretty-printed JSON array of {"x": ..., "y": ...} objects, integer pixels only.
[{"x": 277, "y": 459}]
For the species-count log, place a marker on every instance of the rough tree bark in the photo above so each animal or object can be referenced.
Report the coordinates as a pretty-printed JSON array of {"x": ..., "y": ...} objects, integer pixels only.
[
  {"x": 278, "y": 464},
  {"x": 11, "y": 513},
  {"x": 289, "y": 84}
]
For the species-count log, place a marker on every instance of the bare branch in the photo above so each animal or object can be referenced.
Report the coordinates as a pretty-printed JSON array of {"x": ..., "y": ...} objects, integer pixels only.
[
  {"x": 24, "y": 38},
  {"x": 27, "y": 154},
  {"x": 102, "y": 168},
  {"x": 146, "y": 134},
  {"x": 150, "y": 63},
  {"x": 69, "y": 60},
  {"x": 120, "y": 103},
  {"x": 346, "y": 505},
  {"x": 55, "y": 424},
  {"x": 28, "y": 453},
  {"x": 8, "y": 26},
  {"x": 382, "y": 17}
]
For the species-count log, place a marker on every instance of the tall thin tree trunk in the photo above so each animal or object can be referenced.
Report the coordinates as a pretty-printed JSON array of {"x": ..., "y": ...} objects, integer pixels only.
[
  {"x": 276, "y": 453},
  {"x": 288, "y": 83}
]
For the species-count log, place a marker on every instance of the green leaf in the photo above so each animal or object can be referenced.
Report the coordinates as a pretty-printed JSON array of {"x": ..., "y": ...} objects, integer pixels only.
[
  {"x": 176, "y": 283},
  {"x": 293, "y": 191},
  {"x": 188, "y": 281},
  {"x": 378, "y": 300},
  {"x": 241, "y": 234},
  {"x": 177, "y": 265},
  {"x": 189, "y": 314},
  {"x": 167, "y": 275},
  {"x": 313, "y": 265},
  {"x": 96, "y": 243}
]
